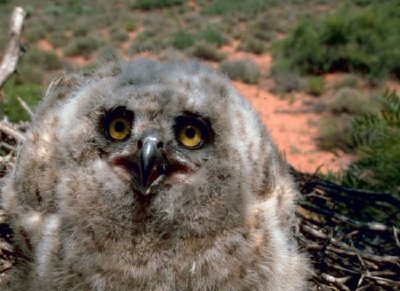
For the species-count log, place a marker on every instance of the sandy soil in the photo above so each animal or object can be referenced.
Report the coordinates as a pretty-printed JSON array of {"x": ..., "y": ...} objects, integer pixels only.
[{"x": 292, "y": 123}]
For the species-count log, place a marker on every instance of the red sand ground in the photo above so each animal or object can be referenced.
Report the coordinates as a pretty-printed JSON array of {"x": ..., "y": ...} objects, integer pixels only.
[{"x": 292, "y": 124}]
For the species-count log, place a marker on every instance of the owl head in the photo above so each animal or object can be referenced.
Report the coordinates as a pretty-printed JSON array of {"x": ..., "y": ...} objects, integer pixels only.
[{"x": 143, "y": 146}]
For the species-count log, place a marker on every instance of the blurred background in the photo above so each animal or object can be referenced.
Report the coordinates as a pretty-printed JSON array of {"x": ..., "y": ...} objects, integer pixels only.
[{"x": 322, "y": 73}]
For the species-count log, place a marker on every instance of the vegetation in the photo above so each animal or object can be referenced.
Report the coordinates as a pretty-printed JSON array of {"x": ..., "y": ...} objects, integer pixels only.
[
  {"x": 31, "y": 93},
  {"x": 345, "y": 106},
  {"x": 376, "y": 137},
  {"x": 363, "y": 39},
  {"x": 152, "y": 4},
  {"x": 315, "y": 85},
  {"x": 244, "y": 70}
]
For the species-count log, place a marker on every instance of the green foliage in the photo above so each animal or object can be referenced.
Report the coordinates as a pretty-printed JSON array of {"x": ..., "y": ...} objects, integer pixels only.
[
  {"x": 48, "y": 61},
  {"x": 31, "y": 93},
  {"x": 244, "y": 70},
  {"x": 286, "y": 80},
  {"x": 253, "y": 46},
  {"x": 207, "y": 52},
  {"x": 228, "y": 7},
  {"x": 353, "y": 102},
  {"x": 212, "y": 36},
  {"x": 84, "y": 46},
  {"x": 153, "y": 4},
  {"x": 315, "y": 85},
  {"x": 130, "y": 25},
  {"x": 377, "y": 139},
  {"x": 336, "y": 131},
  {"x": 120, "y": 36},
  {"x": 357, "y": 39},
  {"x": 182, "y": 40}
]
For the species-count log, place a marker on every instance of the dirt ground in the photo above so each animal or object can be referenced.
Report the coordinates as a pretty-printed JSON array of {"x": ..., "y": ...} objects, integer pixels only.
[{"x": 292, "y": 124}]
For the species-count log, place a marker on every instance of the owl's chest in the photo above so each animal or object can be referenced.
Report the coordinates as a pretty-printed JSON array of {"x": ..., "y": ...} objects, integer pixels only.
[{"x": 190, "y": 264}]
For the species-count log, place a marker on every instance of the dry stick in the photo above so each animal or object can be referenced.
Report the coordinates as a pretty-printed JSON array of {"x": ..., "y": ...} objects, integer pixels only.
[
  {"x": 12, "y": 132},
  {"x": 25, "y": 106},
  {"x": 344, "y": 249},
  {"x": 9, "y": 63},
  {"x": 372, "y": 226}
]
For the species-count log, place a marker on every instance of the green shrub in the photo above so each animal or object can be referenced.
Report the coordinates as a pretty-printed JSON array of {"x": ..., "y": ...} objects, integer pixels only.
[
  {"x": 253, "y": 46},
  {"x": 212, "y": 36},
  {"x": 377, "y": 137},
  {"x": 285, "y": 79},
  {"x": 120, "y": 36},
  {"x": 353, "y": 102},
  {"x": 153, "y": 4},
  {"x": 357, "y": 39},
  {"x": 207, "y": 52},
  {"x": 130, "y": 25},
  {"x": 84, "y": 46},
  {"x": 244, "y": 70},
  {"x": 182, "y": 40},
  {"x": 335, "y": 133},
  {"x": 315, "y": 85},
  {"x": 228, "y": 7},
  {"x": 31, "y": 93},
  {"x": 349, "y": 81},
  {"x": 46, "y": 60}
]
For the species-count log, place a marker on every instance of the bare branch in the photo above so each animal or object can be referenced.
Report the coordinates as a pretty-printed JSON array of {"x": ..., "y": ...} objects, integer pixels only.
[
  {"x": 25, "y": 106},
  {"x": 9, "y": 63}
]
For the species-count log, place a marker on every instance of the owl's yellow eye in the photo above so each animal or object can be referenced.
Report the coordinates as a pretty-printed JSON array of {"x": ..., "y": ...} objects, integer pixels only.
[
  {"x": 117, "y": 124},
  {"x": 119, "y": 128},
  {"x": 190, "y": 136},
  {"x": 192, "y": 131}
]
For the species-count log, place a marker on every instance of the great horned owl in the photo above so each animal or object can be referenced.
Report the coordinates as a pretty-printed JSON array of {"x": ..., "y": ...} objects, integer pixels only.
[{"x": 151, "y": 176}]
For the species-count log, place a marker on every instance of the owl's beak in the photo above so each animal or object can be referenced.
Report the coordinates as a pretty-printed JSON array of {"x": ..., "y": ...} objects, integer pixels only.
[{"x": 151, "y": 160}]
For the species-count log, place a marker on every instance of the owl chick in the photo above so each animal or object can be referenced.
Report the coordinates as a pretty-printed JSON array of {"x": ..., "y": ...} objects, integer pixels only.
[{"x": 151, "y": 176}]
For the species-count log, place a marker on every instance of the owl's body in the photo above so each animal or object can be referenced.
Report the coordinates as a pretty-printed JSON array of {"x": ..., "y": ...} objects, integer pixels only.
[{"x": 151, "y": 176}]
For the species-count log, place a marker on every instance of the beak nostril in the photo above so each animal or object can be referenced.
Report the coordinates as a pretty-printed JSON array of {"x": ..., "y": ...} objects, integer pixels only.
[
  {"x": 160, "y": 144},
  {"x": 140, "y": 144}
]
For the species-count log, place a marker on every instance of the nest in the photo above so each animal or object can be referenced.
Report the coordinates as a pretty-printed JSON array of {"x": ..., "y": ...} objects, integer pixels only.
[{"x": 346, "y": 253}]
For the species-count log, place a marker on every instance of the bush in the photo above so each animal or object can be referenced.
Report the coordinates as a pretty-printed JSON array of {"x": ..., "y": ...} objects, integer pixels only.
[
  {"x": 31, "y": 93},
  {"x": 353, "y": 102},
  {"x": 253, "y": 46},
  {"x": 120, "y": 36},
  {"x": 286, "y": 80},
  {"x": 212, "y": 36},
  {"x": 84, "y": 46},
  {"x": 182, "y": 40},
  {"x": 153, "y": 4},
  {"x": 207, "y": 52},
  {"x": 335, "y": 132},
  {"x": 44, "y": 59},
  {"x": 357, "y": 39},
  {"x": 130, "y": 25},
  {"x": 377, "y": 137},
  {"x": 229, "y": 7},
  {"x": 315, "y": 85},
  {"x": 244, "y": 70}
]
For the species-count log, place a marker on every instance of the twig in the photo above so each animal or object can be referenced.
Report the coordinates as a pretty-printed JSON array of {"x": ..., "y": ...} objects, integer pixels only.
[
  {"x": 12, "y": 132},
  {"x": 25, "y": 106},
  {"x": 373, "y": 226},
  {"x": 13, "y": 51}
]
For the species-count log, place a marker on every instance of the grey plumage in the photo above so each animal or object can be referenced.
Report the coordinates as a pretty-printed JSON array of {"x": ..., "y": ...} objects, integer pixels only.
[{"x": 151, "y": 176}]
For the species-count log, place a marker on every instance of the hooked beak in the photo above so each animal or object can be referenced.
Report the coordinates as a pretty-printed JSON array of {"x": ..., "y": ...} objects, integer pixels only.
[
  {"x": 151, "y": 161},
  {"x": 149, "y": 164}
]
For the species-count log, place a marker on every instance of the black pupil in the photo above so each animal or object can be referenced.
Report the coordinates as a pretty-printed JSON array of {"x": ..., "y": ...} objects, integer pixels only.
[
  {"x": 190, "y": 132},
  {"x": 119, "y": 126}
]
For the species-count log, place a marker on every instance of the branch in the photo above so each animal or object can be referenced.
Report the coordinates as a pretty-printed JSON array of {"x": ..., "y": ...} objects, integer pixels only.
[{"x": 13, "y": 52}]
